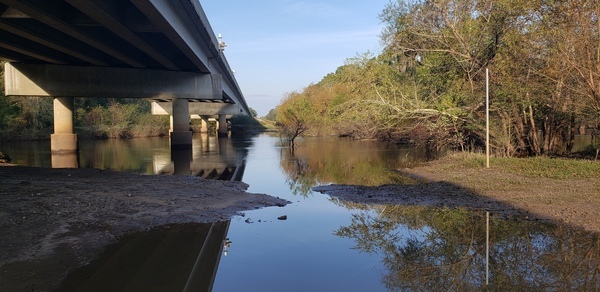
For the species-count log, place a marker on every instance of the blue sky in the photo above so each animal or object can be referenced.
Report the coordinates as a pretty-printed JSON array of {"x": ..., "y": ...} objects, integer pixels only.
[{"x": 280, "y": 46}]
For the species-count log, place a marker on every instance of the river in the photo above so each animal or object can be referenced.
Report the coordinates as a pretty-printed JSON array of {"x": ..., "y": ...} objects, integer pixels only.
[{"x": 318, "y": 243}]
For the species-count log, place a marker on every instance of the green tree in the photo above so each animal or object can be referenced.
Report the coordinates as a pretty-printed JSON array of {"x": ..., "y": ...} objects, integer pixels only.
[
  {"x": 429, "y": 84},
  {"x": 271, "y": 115},
  {"x": 253, "y": 113},
  {"x": 292, "y": 117}
]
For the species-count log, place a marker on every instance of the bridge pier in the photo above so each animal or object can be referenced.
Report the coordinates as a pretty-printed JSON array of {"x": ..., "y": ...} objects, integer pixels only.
[
  {"x": 63, "y": 143},
  {"x": 222, "y": 122},
  {"x": 182, "y": 160},
  {"x": 204, "y": 126},
  {"x": 181, "y": 136}
]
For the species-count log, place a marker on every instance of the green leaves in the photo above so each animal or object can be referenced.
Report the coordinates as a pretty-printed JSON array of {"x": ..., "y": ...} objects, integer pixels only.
[{"x": 429, "y": 82}]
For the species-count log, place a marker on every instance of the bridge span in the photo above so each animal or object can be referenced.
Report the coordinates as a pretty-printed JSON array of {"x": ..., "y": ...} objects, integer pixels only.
[{"x": 161, "y": 50}]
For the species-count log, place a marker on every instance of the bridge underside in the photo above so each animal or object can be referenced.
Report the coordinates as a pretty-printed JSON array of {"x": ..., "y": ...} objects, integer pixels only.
[
  {"x": 164, "y": 51},
  {"x": 178, "y": 94},
  {"x": 99, "y": 82},
  {"x": 142, "y": 34}
]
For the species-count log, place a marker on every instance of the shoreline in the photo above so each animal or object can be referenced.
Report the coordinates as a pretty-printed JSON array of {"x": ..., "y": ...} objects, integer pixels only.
[
  {"x": 56, "y": 220},
  {"x": 449, "y": 183}
]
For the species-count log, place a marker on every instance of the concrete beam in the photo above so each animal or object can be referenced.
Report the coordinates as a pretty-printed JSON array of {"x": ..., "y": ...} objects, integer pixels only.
[
  {"x": 198, "y": 108},
  {"x": 40, "y": 10},
  {"x": 194, "y": 37},
  {"x": 99, "y": 82}
]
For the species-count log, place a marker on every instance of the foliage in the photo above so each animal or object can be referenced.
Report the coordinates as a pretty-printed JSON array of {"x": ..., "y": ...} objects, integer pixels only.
[
  {"x": 27, "y": 117},
  {"x": 272, "y": 115},
  {"x": 32, "y": 118},
  {"x": 9, "y": 111},
  {"x": 425, "y": 248},
  {"x": 428, "y": 85},
  {"x": 119, "y": 119},
  {"x": 293, "y": 117},
  {"x": 245, "y": 124},
  {"x": 253, "y": 113}
]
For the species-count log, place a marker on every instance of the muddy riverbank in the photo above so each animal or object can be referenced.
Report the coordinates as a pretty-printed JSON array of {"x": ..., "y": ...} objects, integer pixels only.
[
  {"x": 449, "y": 183},
  {"x": 55, "y": 220}
]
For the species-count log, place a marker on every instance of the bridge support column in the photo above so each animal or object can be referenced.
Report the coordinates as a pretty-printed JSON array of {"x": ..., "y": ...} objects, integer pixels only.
[
  {"x": 204, "y": 127},
  {"x": 181, "y": 136},
  {"x": 63, "y": 143},
  {"x": 182, "y": 160},
  {"x": 222, "y": 126}
]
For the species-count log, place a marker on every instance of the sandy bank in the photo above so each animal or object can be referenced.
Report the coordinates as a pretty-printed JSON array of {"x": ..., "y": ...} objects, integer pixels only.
[{"x": 55, "y": 220}]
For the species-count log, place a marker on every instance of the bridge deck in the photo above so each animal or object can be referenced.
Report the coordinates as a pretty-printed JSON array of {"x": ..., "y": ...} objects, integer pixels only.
[{"x": 144, "y": 34}]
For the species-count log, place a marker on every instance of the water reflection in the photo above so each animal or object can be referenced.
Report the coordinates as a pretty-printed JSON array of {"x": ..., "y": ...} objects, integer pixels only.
[
  {"x": 425, "y": 248},
  {"x": 210, "y": 157},
  {"x": 330, "y": 244},
  {"x": 170, "y": 258},
  {"x": 433, "y": 249},
  {"x": 347, "y": 161}
]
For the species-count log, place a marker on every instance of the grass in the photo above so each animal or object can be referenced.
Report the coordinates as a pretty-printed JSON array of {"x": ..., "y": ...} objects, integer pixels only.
[
  {"x": 534, "y": 167},
  {"x": 566, "y": 190}
]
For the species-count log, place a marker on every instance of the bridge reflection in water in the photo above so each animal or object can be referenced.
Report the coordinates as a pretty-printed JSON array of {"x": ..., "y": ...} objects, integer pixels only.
[
  {"x": 182, "y": 257},
  {"x": 170, "y": 258},
  {"x": 212, "y": 158}
]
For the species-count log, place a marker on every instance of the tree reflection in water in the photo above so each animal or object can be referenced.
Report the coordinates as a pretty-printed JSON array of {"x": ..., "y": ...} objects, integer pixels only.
[
  {"x": 425, "y": 248},
  {"x": 345, "y": 162}
]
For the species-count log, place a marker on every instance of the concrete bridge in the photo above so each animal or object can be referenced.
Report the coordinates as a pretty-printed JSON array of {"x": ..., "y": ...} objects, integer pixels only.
[{"x": 161, "y": 50}]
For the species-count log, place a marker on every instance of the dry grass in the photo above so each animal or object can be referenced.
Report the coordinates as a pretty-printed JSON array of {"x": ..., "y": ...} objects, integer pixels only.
[{"x": 558, "y": 189}]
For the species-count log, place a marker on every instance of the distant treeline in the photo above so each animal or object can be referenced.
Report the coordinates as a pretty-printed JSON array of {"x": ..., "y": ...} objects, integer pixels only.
[
  {"x": 428, "y": 84},
  {"x": 32, "y": 118}
]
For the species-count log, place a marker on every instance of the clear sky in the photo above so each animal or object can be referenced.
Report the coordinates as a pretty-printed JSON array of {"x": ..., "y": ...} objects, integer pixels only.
[{"x": 280, "y": 46}]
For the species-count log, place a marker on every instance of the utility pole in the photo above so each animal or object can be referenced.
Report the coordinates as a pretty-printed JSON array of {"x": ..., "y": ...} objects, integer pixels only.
[{"x": 487, "y": 118}]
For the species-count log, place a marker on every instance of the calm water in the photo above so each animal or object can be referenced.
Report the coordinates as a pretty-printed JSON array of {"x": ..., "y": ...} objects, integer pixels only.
[{"x": 326, "y": 244}]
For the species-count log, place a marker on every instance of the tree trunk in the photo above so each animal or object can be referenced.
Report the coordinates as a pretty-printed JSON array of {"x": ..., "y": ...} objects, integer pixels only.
[{"x": 533, "y": 132}]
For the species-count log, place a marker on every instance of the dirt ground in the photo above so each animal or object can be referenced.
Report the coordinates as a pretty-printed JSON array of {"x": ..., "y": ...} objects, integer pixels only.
[
  {"x": 55, "y": 220},
  {"x": 445, "y": 182}
]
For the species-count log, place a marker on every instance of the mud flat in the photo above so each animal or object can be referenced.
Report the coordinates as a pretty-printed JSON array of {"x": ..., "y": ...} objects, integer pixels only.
[
  {"x": 448, "y": 183},
  {"x": 53, "y": 221}
]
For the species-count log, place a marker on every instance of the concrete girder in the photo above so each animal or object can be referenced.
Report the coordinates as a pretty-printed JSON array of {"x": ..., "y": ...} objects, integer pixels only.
[
  {"x": 31, "y": 53},
  {"x": 194, "y": 37},
  {"x": 106, "y": 15},
  {"x": 181, "y": 31},
  {"x": 99, "y": 82},
  {"x": 39, "y": 38},
  {"x": 39, "y": 11},
  {"x": 198, "y": 108}
]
